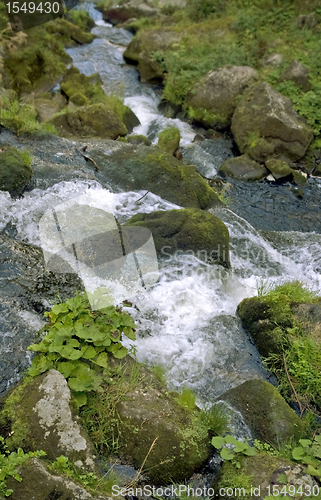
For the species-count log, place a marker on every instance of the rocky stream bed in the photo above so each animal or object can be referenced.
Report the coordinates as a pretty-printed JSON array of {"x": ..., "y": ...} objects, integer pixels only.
[{"x": 187, "y": 321}]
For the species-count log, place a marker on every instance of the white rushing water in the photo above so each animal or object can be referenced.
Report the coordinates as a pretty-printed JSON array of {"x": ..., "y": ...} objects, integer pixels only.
[{"x": 187, "y": 320}]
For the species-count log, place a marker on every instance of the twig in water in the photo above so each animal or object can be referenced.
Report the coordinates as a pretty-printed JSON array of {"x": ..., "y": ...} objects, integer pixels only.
[
  {"x": 290, "y": 382},
  {"x": 88, "y": 159},
  {"x": 142, "y": 196}
]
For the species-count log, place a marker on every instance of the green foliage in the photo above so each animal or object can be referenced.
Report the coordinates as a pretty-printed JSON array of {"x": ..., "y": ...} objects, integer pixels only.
[
  {"x": 21, "y": 117},
  {"x": 216, "y": 419},
  {"x": 232, "y": 449},
  {"x": 309, "y": 453},
  {"x": 9, "y": 463},
  {"x": 100, "y": 416},
  {"x": 187, "y": 398},
  {"x": 79, "y": 342},
  {"x": 88, "y": 480},
  {"x": 81, "y": 18},
  {"x": 301, "y": 354}
]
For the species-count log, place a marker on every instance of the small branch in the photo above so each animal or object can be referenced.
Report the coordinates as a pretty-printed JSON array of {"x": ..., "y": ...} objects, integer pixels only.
[
  {"x": 290, "y": 382},
  {"x": 88, "y": 159},
  {"x": 142, "y": 196},
  {"x": 133, "y": 481}
]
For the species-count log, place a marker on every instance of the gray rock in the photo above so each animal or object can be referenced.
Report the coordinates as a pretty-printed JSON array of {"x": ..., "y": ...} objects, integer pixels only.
[
  {"x": 26, "y": 289},
  {"x": 39, "y": 484},
  {"x": 298, "y": 73},
  {"x": 309, "y": 21},
  {"x": 265, "y": 125},
  {"x": 127, "y": 10},
  {"x": 273, "y": 60},
  {"x": 269, "y": 417},
  {"x": 217, "y": 91},
  {"x": 41, "y": 417},
  {"x": 243, "y": 168}
]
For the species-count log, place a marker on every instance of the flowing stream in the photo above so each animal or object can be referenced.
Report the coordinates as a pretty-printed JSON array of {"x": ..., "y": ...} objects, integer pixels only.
[{"x": 187, "y": 320}]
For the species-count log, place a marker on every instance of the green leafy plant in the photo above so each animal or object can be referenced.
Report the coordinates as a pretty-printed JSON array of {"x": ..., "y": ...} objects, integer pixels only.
[
  {"x": 309, "y": 453},
  {"x": 22, "y": 117},
  {"x": 9, "y": 463},
  {"x": 232, "y": 449},
  {"x": 79, "y": 342}
]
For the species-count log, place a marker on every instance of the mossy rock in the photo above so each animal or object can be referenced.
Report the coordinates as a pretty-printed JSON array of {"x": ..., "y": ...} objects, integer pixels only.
[
  {"x": 85, "y": 90},
  {"x": 260, "y": 473},
  {"x": 96, "y": 120},
  {"x": 265, "y": 125},
  {"x": 82, "y": 19},
  {"x": 217, "y": 93},
  {"x": 38, "y": 483},
  {"x": 39, "y": 415},
  {"x": 69, "y": 34},
  {"x": 264, "y": 324},
  {"x": 79, "y": 99},
  {"x": 278, "y": 168},
  {"x": 243, "y": 168},
  {"x": 168, "y": 140},
  {"x": 148, "y": 413},
  {"x": 75, "y": 82},
  {"x": 138, "y": 139},
  {"x": 15, "y": 171},
  {"x": 267, "y": 414},
  {"x": 145, "y": 45},
  {"x": 117, "y": 14},
  {"x": 130, "y": 167},
  {"x": 188, "y": 231}
]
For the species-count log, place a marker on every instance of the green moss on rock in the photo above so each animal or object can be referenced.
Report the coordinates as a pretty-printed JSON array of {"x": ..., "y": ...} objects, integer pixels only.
[
  {"x": 15, "y": 170},
  {"x": 264, "y": 410},
  {"x": 140, "y": 167},
  {"x": 190, "y": 231},
  {"x": 243, "y": 168},
  {"x": 168, "y": 140},
  {"x": 96, "y": 120}
]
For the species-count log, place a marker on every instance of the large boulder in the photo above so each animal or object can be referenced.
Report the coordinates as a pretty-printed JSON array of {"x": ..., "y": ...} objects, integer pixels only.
[
  {"x": 216, "y": 93},
  {"x": 265, "y": 125},
  {"x": 15, "y": 170},
  {"x": 243, "y": 168},
  {"x": 188, "y": 230},
  {"x": 38, "y": 415},
  {"x": 39, "y": 484},
  {"x": 96, "y": 120},
  {"x": 130, "y": 167},
  {"x": 143, "y": 47},
  {"x": 297, "y": 73},
  {"x": 263, "y": 409},
  {"x": 173, "y": 440}
]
